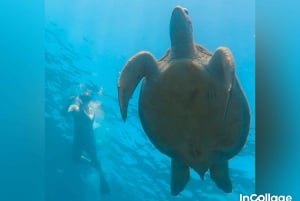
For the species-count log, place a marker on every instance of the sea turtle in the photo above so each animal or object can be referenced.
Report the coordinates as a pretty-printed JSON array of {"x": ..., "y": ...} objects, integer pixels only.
[{"x": 191, "y": 105}]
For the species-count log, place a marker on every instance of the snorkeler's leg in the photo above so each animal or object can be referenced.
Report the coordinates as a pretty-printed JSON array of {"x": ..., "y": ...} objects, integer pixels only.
[
  {"x": 104, "y": 187},
  {"x": 77, "y": 150}
]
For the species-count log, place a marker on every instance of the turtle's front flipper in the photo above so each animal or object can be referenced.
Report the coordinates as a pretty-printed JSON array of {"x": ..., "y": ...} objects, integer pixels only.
[
  {"x": 140, "y": 65},
  {"x": 219, "y": 172},
  {"x": 180, "y": 176},
  {"x": 222, "y": 67}
]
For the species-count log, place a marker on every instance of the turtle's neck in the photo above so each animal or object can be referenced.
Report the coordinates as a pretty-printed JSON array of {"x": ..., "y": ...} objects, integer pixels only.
[{"x": 182, "y": 50}]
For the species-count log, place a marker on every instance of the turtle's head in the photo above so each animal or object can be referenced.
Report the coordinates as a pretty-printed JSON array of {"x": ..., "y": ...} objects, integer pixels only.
[
  {"x": 85, "y": 97},
  {"x": 181, "y": 30}
]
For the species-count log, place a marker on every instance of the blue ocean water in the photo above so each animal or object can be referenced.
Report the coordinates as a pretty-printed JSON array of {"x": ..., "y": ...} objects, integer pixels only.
[{"x": 87, "y": 43}]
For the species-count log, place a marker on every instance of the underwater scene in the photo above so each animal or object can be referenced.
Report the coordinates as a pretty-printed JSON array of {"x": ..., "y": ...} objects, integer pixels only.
[{"x": 87, "y": 45}]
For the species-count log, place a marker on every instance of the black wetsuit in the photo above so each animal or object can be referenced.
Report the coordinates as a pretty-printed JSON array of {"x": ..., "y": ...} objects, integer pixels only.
[
  {"x": 84, "y": 138},
  {"x": 84, "y": 141}
]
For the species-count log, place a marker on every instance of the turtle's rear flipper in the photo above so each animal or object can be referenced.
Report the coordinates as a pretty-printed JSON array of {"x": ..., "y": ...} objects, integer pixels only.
[
  {"x": 180, "y": 176},
  {"x": 141, "y": 65},
  {"x": 219, "y": 172}
]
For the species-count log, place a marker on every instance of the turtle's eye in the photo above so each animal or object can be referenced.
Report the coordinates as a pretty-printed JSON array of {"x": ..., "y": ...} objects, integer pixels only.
[{"x": 186, "y": 11}]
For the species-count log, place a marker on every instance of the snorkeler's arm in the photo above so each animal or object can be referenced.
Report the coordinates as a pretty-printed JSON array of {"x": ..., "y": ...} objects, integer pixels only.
[
  {"x": 70, "y": 106},
  {"x": 73, "y": 108}
]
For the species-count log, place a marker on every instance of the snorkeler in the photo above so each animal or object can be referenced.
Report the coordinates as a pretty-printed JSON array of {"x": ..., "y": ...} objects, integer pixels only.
[{"x": 84, "y": 138}]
